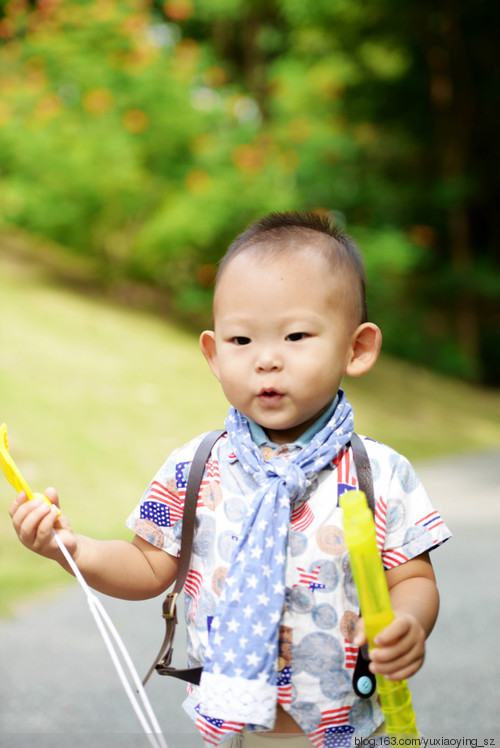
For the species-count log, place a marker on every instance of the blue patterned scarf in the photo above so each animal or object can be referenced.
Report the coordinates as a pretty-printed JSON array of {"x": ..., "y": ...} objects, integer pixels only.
[{"x": 239, "y": 679}]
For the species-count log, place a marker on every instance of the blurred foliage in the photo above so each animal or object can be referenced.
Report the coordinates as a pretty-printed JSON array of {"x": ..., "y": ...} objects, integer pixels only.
[{"x": 147, "y": 134}]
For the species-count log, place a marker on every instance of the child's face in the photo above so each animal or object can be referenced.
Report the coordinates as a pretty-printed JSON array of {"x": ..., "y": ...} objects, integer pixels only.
[{"x": 282, "y": 340}]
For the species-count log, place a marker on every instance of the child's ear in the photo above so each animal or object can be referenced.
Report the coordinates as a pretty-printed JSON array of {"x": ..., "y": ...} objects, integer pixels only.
[
  {"x": 366, "y": 342},
  {"x": 209, "y": 350}
]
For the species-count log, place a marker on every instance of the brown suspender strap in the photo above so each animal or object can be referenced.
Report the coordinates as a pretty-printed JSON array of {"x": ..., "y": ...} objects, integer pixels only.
[
  {"x": 196, "y": 470},
  {"x": 363, "y": 470}
]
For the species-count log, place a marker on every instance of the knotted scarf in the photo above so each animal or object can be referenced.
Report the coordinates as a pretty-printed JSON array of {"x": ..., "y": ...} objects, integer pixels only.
[{"x": 239, "y": 679}]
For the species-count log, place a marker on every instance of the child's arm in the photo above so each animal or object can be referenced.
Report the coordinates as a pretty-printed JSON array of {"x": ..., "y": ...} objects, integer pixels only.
[
  {"x": 132, "y": 571},
  {"x": 400, "y": 647}
]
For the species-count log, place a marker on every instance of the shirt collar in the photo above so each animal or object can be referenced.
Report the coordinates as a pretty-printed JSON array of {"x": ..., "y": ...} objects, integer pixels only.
[{"x": 261, "y": 439}]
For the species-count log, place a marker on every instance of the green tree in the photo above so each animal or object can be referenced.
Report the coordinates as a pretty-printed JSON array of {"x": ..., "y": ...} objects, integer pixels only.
[
  {"x": 398, "y": 108},
  {"x": 148, "y": 134}
]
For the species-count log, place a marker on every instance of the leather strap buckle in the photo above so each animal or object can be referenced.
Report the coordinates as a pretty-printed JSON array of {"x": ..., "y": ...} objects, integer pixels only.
[{"x": 169, "y": 606}]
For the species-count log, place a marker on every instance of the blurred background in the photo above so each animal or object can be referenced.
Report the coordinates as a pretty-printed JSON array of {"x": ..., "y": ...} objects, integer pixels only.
[
  {"x": 138, "y": 138},
  {"x": 143, "y": 136}
]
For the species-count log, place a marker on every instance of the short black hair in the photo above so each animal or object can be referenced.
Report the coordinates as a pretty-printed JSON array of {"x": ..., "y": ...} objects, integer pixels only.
[{"x": 289, "y": 229}]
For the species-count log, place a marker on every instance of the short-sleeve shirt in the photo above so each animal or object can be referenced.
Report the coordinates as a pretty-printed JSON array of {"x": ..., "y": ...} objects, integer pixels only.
[{"x": 316, "y": 658}]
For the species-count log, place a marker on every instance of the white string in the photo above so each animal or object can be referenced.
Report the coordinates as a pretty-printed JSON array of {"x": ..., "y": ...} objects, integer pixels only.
[{"x": 106, "y": 627}]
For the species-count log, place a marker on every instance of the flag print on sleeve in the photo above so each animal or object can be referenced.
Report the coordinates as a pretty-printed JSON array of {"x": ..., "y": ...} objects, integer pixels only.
[
  {"x": 391, "y": 559},
  {"x": 431, "y": 521},
  {"x": 156, "y": 512},
  {"x": 162, "y": 505},
  {"x": 210, "y": 493}
]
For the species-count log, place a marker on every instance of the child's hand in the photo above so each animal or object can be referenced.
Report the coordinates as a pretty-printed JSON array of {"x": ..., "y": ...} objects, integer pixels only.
[
  {"x": 399, "y": 649},
  {"x": 34, "y": 521}
]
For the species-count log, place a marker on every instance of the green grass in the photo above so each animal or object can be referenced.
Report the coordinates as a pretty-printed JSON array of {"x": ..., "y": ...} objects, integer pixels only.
[{"x": 96, "y": 395}]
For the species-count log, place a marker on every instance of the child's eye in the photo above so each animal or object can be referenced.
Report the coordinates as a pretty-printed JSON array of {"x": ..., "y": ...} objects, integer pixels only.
[
  {"x": 240, "y": 340},
  {"x": 296, "y": 336}
]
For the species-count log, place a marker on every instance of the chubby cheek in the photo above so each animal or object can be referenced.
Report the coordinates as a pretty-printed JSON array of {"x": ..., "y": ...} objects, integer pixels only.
[
  {"x": 234, "y": 395},
  {"x": 230, "y": 371},
  {"x": 314, "y": 372},
  {"x": 322, "y": 382},
  {"x": 233, "y": 380}
]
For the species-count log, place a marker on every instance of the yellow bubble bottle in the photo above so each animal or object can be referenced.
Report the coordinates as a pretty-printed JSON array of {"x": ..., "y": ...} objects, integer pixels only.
[{"x": 375, "y": 604}]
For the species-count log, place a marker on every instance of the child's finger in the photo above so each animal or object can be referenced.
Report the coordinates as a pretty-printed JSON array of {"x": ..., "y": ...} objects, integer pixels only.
[
  {"x": 20, "y": 499},
  {"x": 359, "y": 635},
  {"x": 393, "y": 632},
  {"x": 398, "y": 668},
  {"x": 391, "y": 653},
  {"x": 20, "y": 508},
  {"x": 52, "y": 495},
  {"x": 35, "y": 529}
]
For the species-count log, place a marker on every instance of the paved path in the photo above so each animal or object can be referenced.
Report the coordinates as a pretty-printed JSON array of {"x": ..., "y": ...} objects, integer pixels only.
[{"x": 58, "y": 686}]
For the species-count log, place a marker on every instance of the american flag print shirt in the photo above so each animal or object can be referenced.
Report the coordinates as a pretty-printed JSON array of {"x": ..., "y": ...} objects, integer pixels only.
[{"x": 316, "y": 660}]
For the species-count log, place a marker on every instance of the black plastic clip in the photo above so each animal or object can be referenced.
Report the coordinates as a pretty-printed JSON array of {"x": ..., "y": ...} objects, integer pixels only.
[{"x": 363, "y": 680}]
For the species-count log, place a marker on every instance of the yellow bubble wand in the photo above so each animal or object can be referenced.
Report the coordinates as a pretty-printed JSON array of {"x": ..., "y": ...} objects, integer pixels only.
[
  {"x": 375, "y": 604},
  {"x": 12, "y": 472}
]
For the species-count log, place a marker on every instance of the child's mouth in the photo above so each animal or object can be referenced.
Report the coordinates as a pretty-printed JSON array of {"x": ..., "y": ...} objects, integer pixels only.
[{"x": 270, "y": 396}]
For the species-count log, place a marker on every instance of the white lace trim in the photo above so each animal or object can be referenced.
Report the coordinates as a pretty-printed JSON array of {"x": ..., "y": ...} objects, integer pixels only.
[{"x": 238, "y": 699}]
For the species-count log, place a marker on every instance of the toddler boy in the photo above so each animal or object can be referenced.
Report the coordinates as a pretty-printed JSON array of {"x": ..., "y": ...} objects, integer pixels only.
[{"x": 271, "y": 609}]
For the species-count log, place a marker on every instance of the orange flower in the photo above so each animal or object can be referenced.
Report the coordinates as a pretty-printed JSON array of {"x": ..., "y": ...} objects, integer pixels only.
[
  {"x": 187, "y": 52},
  {"x": 178, "y": 10},
  {"x": 10, "y": 83},
  {"x": 135, "y": 121},
  {"x": 140, "y": 57},
  {"x": 214, "y": 76},
  {"x": 48, "y": 108},
  {"x": 134, "y": 25},
  {"x": 7, "y": 28},
  {"x": 248, "y": 158},
  {"x": 15, "y": 7},
  {"x": 97, "y": 100}
]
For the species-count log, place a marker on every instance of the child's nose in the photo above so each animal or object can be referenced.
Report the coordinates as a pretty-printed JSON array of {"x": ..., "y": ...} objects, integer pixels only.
[{"x": 269, "y": 360}]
